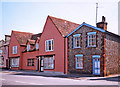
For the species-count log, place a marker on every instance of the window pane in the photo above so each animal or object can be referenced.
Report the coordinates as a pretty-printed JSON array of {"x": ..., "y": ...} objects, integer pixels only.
[
  {"x": 48, "y": 63},
  {"x": 49, "y": 45},
  {"x": 79, "y": 62},
  {"x": 37, "y": 45},
  {"x": 92, "y": 40},
  {"x": 77, "y": 41},
  {"x": 52, "y": 44}
]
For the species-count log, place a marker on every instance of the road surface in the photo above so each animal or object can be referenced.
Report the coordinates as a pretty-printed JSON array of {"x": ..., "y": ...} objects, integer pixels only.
[{"x": 11, "y": 78}]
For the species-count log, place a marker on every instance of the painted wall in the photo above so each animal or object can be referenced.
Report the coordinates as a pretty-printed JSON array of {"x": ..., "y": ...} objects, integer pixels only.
[
  {"x": 13, "y": 42},
  {"x": 5, "y": 55},
  {"x": 51, "y": 32},
  {"x": 29, "y": 55}
]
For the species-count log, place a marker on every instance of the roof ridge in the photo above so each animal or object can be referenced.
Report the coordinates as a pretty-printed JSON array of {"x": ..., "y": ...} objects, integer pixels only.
[
  {"x": 22, "y": 32},
  {"x": 63, "y": 19}
]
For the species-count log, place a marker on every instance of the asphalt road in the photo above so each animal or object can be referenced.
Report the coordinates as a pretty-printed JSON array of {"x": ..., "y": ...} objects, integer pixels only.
[{"x": 14, "y": 79}]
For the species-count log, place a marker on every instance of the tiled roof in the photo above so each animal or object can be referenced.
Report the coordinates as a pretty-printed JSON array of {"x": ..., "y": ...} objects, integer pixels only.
[
  {"x": 22, "y": 37},
  {"x": 35, "y": 36},
  {"x": 32, "y": 42},
  {"x": 64, "y": 26}
]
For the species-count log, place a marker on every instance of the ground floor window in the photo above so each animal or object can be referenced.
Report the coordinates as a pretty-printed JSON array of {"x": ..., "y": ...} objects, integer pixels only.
[
  {"x": 79, "y": 61},
  {"x": 49, "y": 62},
  {"x": 14, "y": 62},
  {"x": 30, "y": 62},
  {"x": 1, "y": 60}
]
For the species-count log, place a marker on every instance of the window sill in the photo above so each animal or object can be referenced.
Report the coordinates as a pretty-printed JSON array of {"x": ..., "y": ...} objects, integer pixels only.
[
  {"x": 76, "y": 47},
  {"x": 90, "y": 46},
  {"x": 49, "y": 69},
  {"x": 14, "y": 66},
  {"x": 78, "y": 68},
  {"x": 49, "y": 50}
]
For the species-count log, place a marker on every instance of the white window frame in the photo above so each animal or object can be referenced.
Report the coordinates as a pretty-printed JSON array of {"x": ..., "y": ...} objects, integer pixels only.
[
  {"x": 49, "y": 61},
  {"x": 1, "y": 51},
  {"x": 76, "y": 58},
  {"x": 28, "y": 47},
  {"x": 47, "y": 45},
  {"x": 14, "y": 50},
  {"x": 15, "y": 62},
  {"x": 75, "y": 43},
  {"x": 88, "y": 39},
  {"x": 37, "y": 46}
]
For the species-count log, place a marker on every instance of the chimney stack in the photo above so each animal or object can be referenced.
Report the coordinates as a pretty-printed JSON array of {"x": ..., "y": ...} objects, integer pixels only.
[{"x": 103, "y": 24}]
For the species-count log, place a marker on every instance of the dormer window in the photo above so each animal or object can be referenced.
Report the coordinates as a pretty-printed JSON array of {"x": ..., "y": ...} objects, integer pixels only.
[
  {"x": 37, "y": 46},
  {"x": 28, "y": 47}
]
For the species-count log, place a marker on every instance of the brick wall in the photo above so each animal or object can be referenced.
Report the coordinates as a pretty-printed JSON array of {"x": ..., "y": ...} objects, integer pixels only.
[
  {"x": 87, "y": 52},
  {"x": 112, "y": 47}
]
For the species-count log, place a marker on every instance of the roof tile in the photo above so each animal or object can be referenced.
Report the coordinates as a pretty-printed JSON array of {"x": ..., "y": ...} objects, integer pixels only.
[{"x": 64, "y": 26}]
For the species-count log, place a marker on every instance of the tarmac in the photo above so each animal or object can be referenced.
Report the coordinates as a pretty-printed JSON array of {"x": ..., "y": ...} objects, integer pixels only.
[{"x": 115, "y": 77}]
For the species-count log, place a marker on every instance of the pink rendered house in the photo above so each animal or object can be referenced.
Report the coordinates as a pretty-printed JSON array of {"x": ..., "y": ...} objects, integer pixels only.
[{"x": 53, "y": 45}]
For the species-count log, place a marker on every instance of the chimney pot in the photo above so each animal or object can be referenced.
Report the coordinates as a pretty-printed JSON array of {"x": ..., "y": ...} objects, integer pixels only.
[
  {"x": 103, "y": 19},
  {"x": 103, "y": 24}
]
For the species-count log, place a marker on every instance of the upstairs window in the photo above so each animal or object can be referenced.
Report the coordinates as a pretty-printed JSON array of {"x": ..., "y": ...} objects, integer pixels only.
[
  {"x": 79, "y": 61},
  {"x": 91, "y": 39},
  {"x": 28, "y": 47},
  {"x": 37, "y": 46},
  {"x": 76, "y": 40},
  {"x": 49, "y": 45},
  {"x": 14, "y": 49},
  {"x": 1, "y": 51}
]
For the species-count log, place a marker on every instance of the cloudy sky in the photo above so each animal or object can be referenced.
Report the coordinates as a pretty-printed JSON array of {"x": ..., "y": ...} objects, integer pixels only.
[{"x": 30, "y": 15}]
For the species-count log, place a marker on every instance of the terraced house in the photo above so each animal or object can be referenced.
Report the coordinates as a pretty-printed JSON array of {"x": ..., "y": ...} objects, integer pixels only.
[
  {"x": 66, "y": 47},
  {"x": 4, "y": 45}
]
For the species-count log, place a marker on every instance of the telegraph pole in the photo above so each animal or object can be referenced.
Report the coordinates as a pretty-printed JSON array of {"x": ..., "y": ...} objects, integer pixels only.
[{"x": 96, "y": 11}]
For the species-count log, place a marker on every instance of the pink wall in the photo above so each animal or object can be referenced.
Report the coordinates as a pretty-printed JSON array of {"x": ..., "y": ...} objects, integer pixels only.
[
  {"x": 51, "y": 32},
  {"x": 13, "y": 42},
  {"x": 29, "y": 55},
  {"x": 5, "y": 55}
]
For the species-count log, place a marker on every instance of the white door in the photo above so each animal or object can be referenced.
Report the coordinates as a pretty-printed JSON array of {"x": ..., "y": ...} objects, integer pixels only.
[{"x": 41, "y": 64}]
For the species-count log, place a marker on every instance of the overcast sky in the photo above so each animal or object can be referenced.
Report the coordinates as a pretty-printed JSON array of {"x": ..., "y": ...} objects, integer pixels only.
[{"x": 30, "y": 15}]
